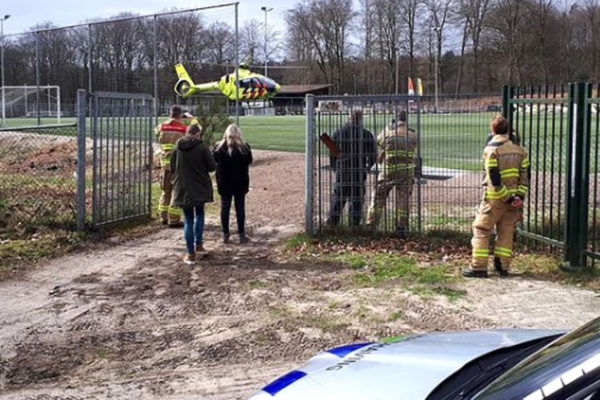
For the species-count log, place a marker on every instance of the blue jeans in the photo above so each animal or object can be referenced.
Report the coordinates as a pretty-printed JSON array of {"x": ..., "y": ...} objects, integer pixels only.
[{"x": 193, "y": 227}]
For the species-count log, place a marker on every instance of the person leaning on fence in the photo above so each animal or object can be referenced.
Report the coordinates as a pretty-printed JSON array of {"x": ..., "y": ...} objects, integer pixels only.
[
  {"x": 167, "y": 134},
  {"x": 357, "y": 155},
  {"x": 233, "y": 157},
  {"x": 191, "y": 163},
  {"x": 397, "y": 147},
  {"x": 506, "y": 183}
]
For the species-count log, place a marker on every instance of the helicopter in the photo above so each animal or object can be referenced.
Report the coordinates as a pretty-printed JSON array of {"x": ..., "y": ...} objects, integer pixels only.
[{"x": 252, "y": 86}]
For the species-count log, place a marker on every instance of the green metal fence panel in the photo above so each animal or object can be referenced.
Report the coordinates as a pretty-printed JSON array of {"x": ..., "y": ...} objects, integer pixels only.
[
  {"x": 447, "y": 186},
  {"x": 592, "y": 245},
  {"x": 539, "y": 118},
  {"x": 122, "y": 156}
]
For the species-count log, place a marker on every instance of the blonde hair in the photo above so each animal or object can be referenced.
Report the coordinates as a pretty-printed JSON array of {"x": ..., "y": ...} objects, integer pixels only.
[{"x": 233, "y": 139}]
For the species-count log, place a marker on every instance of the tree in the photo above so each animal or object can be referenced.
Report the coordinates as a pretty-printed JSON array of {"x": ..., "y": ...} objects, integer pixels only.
[
  {"x": 250, "y": 40},
  {"x": 388, "y": 26},
  {"x": 439, "y": 10},
  {"x": 325, "y": 24},
  {"x": 220, "y": 43}
]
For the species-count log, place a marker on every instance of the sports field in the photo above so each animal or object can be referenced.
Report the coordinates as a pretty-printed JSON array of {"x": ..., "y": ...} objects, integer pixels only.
[{"x": 447, "y": 140}]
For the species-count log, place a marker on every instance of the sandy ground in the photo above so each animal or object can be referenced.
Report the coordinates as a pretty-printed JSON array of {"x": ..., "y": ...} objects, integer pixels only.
[{"x": 131, "y": 321}]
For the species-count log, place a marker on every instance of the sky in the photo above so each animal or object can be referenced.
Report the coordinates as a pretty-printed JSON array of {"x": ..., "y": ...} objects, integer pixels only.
[{"x": 70, "y": 12}]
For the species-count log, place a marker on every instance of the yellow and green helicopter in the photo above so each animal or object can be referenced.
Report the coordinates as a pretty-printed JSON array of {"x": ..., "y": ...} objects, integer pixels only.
[{"x": 252, "y": 86}]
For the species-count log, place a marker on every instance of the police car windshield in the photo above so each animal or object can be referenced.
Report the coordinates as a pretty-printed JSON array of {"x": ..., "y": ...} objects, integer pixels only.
[{"x": 563, "y": 355}]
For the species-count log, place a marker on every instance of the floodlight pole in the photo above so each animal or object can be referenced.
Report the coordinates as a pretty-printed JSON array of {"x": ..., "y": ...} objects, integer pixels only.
[
  {"x": 7, "y": 16},
  {"x": 437, "y": 45},
  {"x": 266, "y": 10}
]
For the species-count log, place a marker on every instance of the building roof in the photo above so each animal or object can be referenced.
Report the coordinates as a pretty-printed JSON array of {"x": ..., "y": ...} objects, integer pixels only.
[{"x": 303, "y": 89}]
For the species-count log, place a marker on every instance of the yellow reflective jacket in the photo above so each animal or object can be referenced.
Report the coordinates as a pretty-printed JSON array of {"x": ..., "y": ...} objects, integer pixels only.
[
  {"x": 507, "y": 169},
  {"x": 397, "y": 145}
]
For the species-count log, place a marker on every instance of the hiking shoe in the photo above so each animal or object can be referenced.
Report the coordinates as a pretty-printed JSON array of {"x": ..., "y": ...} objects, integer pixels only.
[
  {"x": 189, "y": 259},
  {"x": 498, "y": 267},
  {"x": 178, "y": 224},
  {"x": 474, "y": 273},
  {"x": 200, "y": 248},
  {"x": 225, "y": 238},
  {"x": 244, "y": 239}
]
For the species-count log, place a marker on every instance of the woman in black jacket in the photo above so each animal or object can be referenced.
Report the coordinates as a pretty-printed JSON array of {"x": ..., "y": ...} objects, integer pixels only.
[
  {"x": 233, "y": 157},
  {"x": 191, "y": 163}
]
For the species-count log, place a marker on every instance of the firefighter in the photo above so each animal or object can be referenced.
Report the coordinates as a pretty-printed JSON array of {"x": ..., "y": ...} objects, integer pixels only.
[
  {"x": 397, "y": 148},
  {"x": 357, "y": 156},
  {"x": 167, "y": 134},
  {"x": 506, "y": 183}
]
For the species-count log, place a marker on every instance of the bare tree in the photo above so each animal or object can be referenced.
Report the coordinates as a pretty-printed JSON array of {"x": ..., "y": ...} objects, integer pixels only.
[
  {"x": 474, "y": 14},
  {"x": 508, "y": 36},
  {"x": 388, "y": 26},
  {"x": 326, "y": 25},
  {"x": 250, "y": 40},
  {"x": 439, "y": 11},
  {"x": 409, "y": 10},
  {"x": 220, "y": 42}
]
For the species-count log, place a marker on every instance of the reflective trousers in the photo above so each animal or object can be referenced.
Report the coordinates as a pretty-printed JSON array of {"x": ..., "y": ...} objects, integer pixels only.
[
  {"x": 402, "y": 182},
  {"x": 502, "y": 216},
  {"x": 167, "y": 211}
]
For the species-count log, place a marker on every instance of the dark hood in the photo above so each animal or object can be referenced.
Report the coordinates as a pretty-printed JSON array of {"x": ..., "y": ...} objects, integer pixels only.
[{"x": 188, "y": 142}]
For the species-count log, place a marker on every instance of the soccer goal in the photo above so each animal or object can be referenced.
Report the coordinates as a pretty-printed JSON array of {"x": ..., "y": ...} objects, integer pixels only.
[{"x": 24, "y": 105}]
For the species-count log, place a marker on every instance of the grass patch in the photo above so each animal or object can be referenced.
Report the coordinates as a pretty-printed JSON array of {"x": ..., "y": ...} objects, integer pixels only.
[
  {"x": 450, "y": 293},
  {"x": 325, "y": 323},
  {"x": 396, "y": 316},
  {"x": 257, "y": 284},
  {"x": 547, "y": 267},
  {"x": 297, "y": 241},
  {"x": 386, "y": 267}
]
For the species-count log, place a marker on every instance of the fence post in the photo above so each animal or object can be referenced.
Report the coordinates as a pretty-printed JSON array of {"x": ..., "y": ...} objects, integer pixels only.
[
  {"x": 309, "y": 158},
  {"x": 577, "y": 182},
  {"x": 81, "y": 136},
  {"x": 508, "y": 93}
]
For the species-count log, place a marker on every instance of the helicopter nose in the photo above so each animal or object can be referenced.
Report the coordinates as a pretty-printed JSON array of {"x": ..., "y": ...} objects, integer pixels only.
[{"x": 277, "y": 88}]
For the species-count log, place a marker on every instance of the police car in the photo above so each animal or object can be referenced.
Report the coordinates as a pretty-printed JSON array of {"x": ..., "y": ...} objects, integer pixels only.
[{"x": 515, "y": 364}]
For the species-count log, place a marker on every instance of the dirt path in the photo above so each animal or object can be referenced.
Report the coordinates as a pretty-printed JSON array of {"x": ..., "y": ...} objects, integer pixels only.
[{"x": 131, "y": 321}]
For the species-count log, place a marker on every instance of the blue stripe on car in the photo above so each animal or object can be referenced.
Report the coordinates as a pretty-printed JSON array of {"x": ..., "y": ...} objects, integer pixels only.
[
  {"x": 344, "y": 350},
  {"x": 281, "y": 383}
]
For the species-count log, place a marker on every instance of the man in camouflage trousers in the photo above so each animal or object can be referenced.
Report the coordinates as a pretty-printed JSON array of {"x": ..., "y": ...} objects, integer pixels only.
[
  {"x": 167, "y": 134},
  {"x": 397, "y": 148},
  {"x": 506, "y": 183}
]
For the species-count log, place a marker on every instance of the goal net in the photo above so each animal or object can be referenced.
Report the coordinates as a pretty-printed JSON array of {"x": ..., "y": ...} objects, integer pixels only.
[{"x": 23, "y": 105}]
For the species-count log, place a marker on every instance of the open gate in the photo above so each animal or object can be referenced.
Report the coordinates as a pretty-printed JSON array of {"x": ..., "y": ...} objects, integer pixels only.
[{"x": 121, "y": 130}]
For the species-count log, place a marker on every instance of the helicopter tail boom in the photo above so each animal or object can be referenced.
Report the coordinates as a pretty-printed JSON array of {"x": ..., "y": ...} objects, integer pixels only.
[{"x": 185, "y": 86}]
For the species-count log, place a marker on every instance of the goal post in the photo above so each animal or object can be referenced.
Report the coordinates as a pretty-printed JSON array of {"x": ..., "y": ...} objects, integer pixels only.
[{"x": 20, "y": 103}]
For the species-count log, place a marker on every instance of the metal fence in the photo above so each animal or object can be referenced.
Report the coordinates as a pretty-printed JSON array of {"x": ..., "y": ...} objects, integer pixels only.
[
  {"x": 121, "y": 129},
  {"x": 37, "y": 180},
  {"x": 540, "y": 117},
  {"x": 443, "y": 193},
  {"x": 46, "y": 66},
  {"x": 592, "y": 108},
  {"x": 559, "y": 127}
]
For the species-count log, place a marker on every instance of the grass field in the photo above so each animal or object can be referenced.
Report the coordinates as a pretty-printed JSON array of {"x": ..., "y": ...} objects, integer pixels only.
[{"x": 448, "y": 140}]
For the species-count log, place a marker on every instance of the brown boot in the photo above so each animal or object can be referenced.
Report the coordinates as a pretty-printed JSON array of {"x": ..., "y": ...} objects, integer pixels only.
[
  {"x": 189, "y": 259},
  {"x": 200, "y": 248}
]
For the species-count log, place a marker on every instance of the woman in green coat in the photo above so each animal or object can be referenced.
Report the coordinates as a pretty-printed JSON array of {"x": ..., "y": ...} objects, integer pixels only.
[{"x": 191, "y": 163}]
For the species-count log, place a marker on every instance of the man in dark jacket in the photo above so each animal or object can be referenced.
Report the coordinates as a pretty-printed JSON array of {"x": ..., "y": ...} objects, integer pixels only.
[
  {"x": 357, "y": 156},
  {"x": 191, "y": 163}
]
